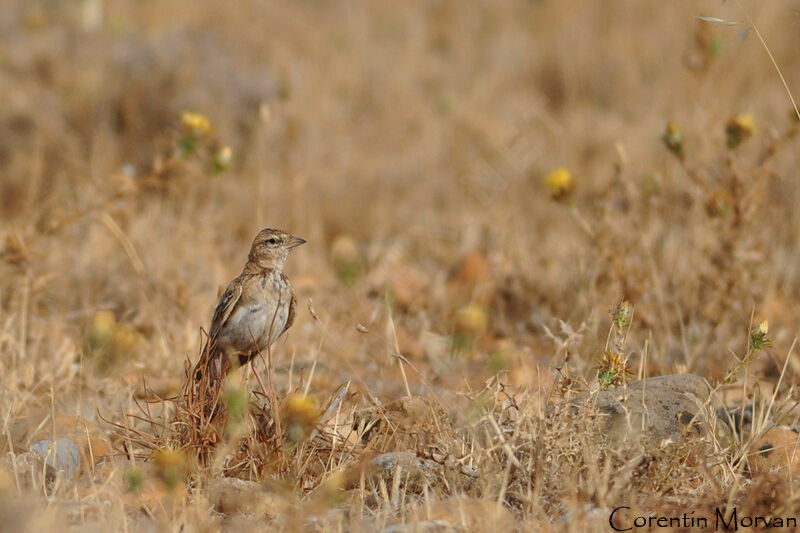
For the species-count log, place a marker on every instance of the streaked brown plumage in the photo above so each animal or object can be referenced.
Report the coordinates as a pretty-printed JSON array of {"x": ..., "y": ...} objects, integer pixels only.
[{"x": 257, "y": 307}]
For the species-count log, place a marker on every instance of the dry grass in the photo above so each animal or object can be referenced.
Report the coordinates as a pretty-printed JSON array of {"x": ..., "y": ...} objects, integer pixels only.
[{"x": 451, "y": 295}]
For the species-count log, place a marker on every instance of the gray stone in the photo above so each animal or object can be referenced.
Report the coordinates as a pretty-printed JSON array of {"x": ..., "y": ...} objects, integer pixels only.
[
  {"x": 231, "y": 496},
  {"x": 387, "y": 462},
  {"x": 657, "y": 410},
  {"x": 690, "y": 383},
  {"x": 61, "y": 457},
  {"x": 414, "y": 471},
  {"x": 424, "y": 526}
]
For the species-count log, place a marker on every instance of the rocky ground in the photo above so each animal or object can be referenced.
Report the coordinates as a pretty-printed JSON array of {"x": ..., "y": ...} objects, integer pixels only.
[{"x": 550, "y": 271}]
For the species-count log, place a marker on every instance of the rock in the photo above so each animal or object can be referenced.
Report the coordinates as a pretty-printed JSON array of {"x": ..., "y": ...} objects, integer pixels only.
[
  {"x": 231, "y": 496},
  {"x": 413, "y": 470},
  {"x": 22, "y": 462},
  {"x": 778, "y": 448},
  {"x": 473, "y": 270},
  {"x": 406, "y": 286},
  {"x": 87, "y": 513},
  {"x": 407, "y": 414},
  {"x": 61, "y": 457},
  {"x": 156, "y": 498},
  {"x": 584, "y": 517},
  {"x": 331, "y": 520},
  {"x": 423, "y": 526},
  {"x": 458, "y": 513},
  {"x": 657, "y": 410},
  {"x": 388, "y": 462},
  {"x": 471, "y": 280},
  {"x": 691, "y": 383},
  {"x": 92, "y": 443}
]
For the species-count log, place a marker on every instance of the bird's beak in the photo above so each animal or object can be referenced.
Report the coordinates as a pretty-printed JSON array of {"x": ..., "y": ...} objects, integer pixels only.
[{"x": 295, "y": 241}]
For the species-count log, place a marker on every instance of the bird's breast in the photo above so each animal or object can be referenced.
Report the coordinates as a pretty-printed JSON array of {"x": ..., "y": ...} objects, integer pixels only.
[{"x": 260, "y": 315}]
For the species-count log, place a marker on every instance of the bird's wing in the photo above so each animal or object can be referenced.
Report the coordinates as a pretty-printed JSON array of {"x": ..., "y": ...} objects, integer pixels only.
[
  {"x": 225, "y": 306},
  {"x": 292, "y": 308}
]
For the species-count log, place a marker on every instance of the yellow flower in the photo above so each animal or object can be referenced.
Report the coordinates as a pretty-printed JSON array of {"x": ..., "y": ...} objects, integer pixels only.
[
  {"x": 471, "y": 320},
  {"x": 103, "y": 324},
  {"x": 560, "y": 183},
  {"x": 612, "y": 369},
  {"x": 346, "y": 259},
  {"x": 739, "y": 128},
  {"x": 172, "y": 466},
  {"x": 195, "y": 124},
  {"x": 301, "y": 407},
  {"x": 759, "y": 339},
  {"x": 222, "y": 159},
  {"x": 746, "y": 122},
  {"x": 673, "y": 139},
  {"x": 225, "y": 154},
  {"x": 300, "y": 415},
  {"x": 108, "y": 341}
]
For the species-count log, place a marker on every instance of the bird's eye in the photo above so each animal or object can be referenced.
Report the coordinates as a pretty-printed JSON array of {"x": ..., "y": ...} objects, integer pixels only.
[{"x": 272, "y": 240}]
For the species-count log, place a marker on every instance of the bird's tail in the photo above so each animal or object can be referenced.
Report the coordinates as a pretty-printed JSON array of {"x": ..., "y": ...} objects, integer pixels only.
[
  {"x": 209, "y": 371},
  {"x": 203, "y": 387}
]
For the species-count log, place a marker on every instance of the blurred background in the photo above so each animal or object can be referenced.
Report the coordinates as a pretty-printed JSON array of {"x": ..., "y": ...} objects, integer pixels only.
[
  {"x": 479, "y": 183},
  {"x": 467, "y": 175}
]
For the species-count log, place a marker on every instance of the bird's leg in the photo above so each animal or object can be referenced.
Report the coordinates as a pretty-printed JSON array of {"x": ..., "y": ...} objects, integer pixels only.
[{"x": 273, "y": 398}]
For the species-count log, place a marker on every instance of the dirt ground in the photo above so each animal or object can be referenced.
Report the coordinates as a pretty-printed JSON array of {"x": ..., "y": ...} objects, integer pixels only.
[{"x": 478, "y": 183}]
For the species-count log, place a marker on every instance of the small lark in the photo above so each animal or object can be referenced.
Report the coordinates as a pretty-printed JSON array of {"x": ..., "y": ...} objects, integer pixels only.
[{"x": 257, "y": 307}]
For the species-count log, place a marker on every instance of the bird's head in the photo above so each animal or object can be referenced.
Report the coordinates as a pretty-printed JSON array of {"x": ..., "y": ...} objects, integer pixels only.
[{"x": 271, "y": 248}]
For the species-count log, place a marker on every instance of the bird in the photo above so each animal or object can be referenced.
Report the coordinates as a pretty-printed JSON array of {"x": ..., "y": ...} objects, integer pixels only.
[{"x": 257, "y": 307}]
